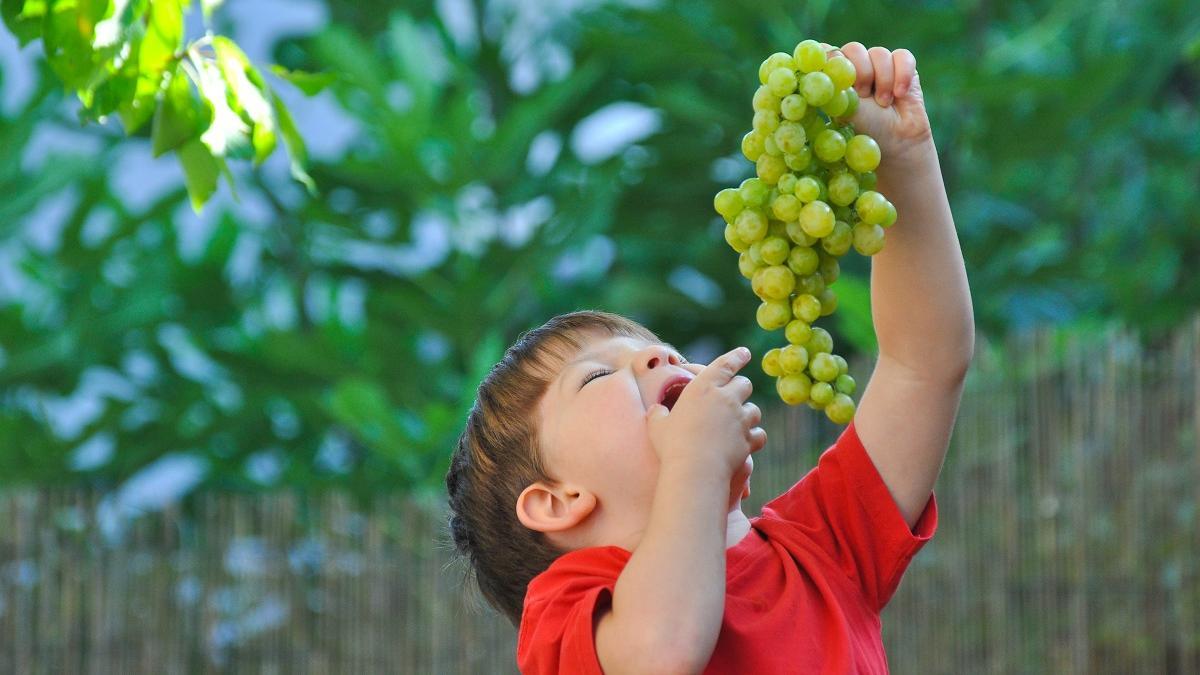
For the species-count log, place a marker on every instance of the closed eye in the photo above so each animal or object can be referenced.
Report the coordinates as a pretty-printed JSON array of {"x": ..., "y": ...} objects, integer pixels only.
[{"x": 592, "y": 376}]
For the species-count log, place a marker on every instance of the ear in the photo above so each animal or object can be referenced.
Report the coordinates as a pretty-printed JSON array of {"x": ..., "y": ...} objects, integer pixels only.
[{"x": 553, "y": 508}]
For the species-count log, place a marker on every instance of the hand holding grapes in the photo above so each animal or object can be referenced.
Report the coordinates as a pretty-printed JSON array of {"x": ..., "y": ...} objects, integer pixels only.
[{"x": 891, "y": 107}]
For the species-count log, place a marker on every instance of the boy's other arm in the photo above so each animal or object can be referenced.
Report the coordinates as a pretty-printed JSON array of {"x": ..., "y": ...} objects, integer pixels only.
[
  {"x": 921, "y": 309},
  {"x": 669, "y": 599}
]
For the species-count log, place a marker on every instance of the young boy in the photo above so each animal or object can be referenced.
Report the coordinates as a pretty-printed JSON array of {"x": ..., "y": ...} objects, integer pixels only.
[{"x": 600, "y": 506}]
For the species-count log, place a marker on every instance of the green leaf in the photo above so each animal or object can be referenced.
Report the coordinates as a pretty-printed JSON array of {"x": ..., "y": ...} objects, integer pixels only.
[
  {"x": 200, "y": 172},
  {"x": 67, "y": 32},
  {"x": 23, "y": 18},
  {"x": 297, "y": 152},
  {"x": 247, "y": 88},
  {"x": 363, "y": 407},
  {"x": 157, "y": 50},
  {"x": 309, "y": 83},
  {"x": 180, "y": 117},
  {"x": 227, "y": 135}
]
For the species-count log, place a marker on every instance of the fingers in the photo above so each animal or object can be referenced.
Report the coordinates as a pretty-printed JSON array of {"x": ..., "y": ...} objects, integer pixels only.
[
  {"x": 881, "y": 62},
  {"x": 758, "y": 439},
  {"x": 725, "y": 366},
  {"x": 905, "y": 66},
  {"x": 857, "y": 53},
  {"x": 741, "y": 387},
  {"x": 752, "y": 413}
]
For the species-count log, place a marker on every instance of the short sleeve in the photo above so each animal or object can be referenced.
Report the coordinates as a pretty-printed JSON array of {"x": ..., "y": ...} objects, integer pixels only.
[
  {"x": 557, "y": 632},
  {"x": 844, "y": 508}
]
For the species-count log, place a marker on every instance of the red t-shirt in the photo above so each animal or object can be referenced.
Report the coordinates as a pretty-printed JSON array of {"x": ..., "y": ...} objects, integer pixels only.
[{"x": 803, "y": 589}]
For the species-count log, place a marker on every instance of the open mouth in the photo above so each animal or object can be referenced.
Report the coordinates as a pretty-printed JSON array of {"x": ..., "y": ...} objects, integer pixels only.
[{"x": 672, "y": 392}]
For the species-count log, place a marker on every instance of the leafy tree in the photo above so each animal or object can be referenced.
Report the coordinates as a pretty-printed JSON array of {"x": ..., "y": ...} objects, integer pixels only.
[
  {"x": 475, "y": 200},
  {"x": 203, "y": 99}
]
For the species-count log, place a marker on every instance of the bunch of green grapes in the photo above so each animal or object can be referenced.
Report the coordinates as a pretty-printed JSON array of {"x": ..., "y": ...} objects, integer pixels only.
[{"x": 813, "y": 199}]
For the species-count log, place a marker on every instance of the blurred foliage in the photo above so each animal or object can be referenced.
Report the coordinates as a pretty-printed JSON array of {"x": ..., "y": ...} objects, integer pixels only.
[
  {"x": 339, "y": 339},
  {"x": 202, "y": 98}
]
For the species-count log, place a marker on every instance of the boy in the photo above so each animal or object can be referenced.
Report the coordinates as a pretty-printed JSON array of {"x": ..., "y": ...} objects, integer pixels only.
[{"x": 600, "y": 505}]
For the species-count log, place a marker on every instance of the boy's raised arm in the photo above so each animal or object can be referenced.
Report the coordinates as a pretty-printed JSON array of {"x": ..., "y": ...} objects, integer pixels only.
[{"x": 920, "y": 300}]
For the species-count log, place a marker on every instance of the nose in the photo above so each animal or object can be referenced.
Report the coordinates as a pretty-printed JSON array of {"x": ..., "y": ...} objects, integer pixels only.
[{"x": 655, "y": 356}]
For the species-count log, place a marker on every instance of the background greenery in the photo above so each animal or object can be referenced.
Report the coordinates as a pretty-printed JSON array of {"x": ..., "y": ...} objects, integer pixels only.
[{"x": 482, "y": 166}]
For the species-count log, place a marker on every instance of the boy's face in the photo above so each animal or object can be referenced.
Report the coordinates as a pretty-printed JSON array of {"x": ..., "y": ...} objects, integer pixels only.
[{"x": 594, "y": 434}]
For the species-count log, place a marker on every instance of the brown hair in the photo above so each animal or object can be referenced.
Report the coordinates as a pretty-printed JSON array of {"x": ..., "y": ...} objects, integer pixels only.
[{"x": 498, "y": 455}]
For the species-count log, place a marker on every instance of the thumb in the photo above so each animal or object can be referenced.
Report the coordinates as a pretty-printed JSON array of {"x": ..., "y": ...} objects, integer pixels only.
[{"x": 656, "y": 412}]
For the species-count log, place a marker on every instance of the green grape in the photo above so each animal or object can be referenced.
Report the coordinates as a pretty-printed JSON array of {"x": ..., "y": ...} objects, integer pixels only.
[
  {"x": 775, "y": 249},
  {"x": 770, "y": 169},
  {"x": 752, "y": 145},
  {"x": 829, "y": 146},
  {"x": 823, "y": 367},
  {"x": 843, "y": 188},
  {"x": 754, "y": 192},
  {"x": 844, "y": 384},
  {"x": 806, "y": 308},
  {"x": 837, "y": 105},
  {"x": 793, "y": 359},
  {"x": 772, "y": 62},
  {"x": 773, "y": 314},
  {"x": 840, "y": 409},
  {"x": 813, "y": 404},
  {"x": 790, "y": 137},
  {"x": 728, "y": 203},
  {"x": 793, "y": 389},
  {"x": 890, "y": 218},
  {"x": 755, "y": 253},
  {"x": 808, "y": 189},
  {"x": 793, "y": 107},
  {"x": 841, "y": 71},
  {"x": 809, "y": 56},
  {"x": 852, "y": 107},
  {"x": 798, "y": 235},
  {"x": 765, "y": 100},
  {"x": 813, "y": 124},
  {"x": 821, "y": 341},
  {"x": 843, "y": 213},
  {"x": 799, "y": 161},
  {"x": 820, "y": 176},
  {"x": 843, "y": 367},
  {"x": 770, "y": 147},
  {"x": 871, "y": 207},
  {"x": 830, "y": 268},
  {"x": 867, "y": 180},
  {"x": 847, "y": 132},
  {"x": 751, "y": 225},
  {"x": 838, "y": 242},
  {"x": 813, "y": 284},
  {"x": 782, "y": 82},
  {"x": 765, "y": 122},
  {"x": 746, "y": 265},
  {"x": 797, "y": 331},
  {"x": 829, "y": 301},
  {"x": 770, "y": 363},
  {"x": 803, "y": 260},
  {"x": 776, "y": 283},
  {"x": 787, "y": 182},
  {"x": 821, "y": 393},
  {"x": 816, "y": 218},
  {"x": 786, "y": 207},
  {"x": 735, "y": 242},
  {"x": 868, "y": 239},
  {"x": 772, "y": 195},
  {"x": 776, "y": 228},
  {"x": 817, "y": 89},
  {"x": 862, "y": 153}
]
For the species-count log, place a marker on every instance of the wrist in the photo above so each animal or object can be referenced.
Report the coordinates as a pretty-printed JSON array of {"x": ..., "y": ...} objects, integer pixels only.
[{"x": 914, "y": 166}]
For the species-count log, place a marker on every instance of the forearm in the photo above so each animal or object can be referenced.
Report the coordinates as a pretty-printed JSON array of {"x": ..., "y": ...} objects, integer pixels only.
[
  {"x": 920, "y": 300},
  {"x": 670, "y": 597}
]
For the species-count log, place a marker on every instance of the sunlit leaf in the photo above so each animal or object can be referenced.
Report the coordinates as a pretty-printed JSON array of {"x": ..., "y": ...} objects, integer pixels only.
[
  {"x": 309, "y": 83},
  {"x": 200, "y": 170},
  {"x": 180, "y": 116},
  {"x": 24, "y": 18}
]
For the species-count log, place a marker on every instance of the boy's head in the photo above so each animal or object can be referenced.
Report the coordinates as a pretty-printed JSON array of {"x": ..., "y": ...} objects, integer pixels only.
[{"x": 555, "y": 455}]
